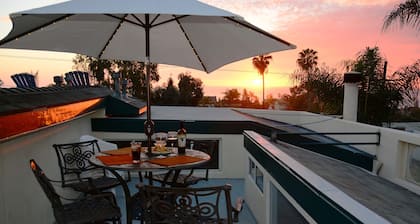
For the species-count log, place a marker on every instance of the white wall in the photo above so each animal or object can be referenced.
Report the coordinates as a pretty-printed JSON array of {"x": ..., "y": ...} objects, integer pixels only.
[
  {"x": 256, "y": 200},
  {"x": 231, "y": 156},
  {"x": 21, "y": 197}
]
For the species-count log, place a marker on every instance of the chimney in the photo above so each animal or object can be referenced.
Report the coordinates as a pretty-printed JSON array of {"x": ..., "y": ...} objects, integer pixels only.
[
  {"x": 58, "y": 80},
  {"x": 117, "y": 91},
  {"x": 351, "y": 94}
]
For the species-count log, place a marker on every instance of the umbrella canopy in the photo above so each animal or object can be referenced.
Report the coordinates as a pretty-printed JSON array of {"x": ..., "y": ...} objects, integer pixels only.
[{"x": 185, "y": 33}]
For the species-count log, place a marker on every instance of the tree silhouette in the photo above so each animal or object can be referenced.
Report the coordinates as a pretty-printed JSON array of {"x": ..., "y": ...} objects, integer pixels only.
[
  {"x": 231, "y": 98},
  {"x": 409, "y": 80},
  {"x": 132, "y": 70},
  {"x": 136, "y": 72},
  {"x": 378, "y": 98},
  {"x": 307, "y": 63},
  {"x": 190, "y": 90},
  {"x": 168, "y": 95},
  {"x": 406, "y": 13},
  {"x": 261, "y": 63}
]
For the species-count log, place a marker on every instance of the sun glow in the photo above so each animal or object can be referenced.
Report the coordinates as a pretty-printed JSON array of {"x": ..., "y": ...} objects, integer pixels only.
[{"x": 257, "y": 82}]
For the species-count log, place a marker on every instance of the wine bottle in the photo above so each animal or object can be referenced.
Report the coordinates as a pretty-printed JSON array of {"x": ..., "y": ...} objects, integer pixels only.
[{"x": 182, "y": 138}]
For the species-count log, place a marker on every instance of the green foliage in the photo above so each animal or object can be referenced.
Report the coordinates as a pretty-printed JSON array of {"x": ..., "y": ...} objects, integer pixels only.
[
  {"x": 132, "y": 70},
  {"x": 318, "y": 89},
  {"x": 249, "y": 100},
  {"x": 408, "y": 78},
  {"x": 96, "y": 66},
  {"x": 231, "y": 98},
  {"x": 409, "y": 114},
  {"x": 168, "y": 95},
  {"x": 190, "y": 90},
  {"x": 307, "y": 64},
  {"x": 321, "y": 91},
  {"x": 378, "y": 98},
  {"x": 136, "y": 72},
  {"x": 297, "y": 100},
  {"x": 188, "y": 93},
  {"x": 261, "y": 63},
  {"x": 406, "y": 13}
]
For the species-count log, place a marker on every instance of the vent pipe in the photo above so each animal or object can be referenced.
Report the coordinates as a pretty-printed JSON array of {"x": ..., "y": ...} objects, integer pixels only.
[{"x": 351, "y": 94}]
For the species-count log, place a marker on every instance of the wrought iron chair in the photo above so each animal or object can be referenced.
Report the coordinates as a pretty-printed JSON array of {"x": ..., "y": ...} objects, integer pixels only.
[
  {"x": 77, "y": 172},
  {"x": 188, "y": 177},
  {"x": 186, "y": 205},
  {"x": 90, "y": 209}
]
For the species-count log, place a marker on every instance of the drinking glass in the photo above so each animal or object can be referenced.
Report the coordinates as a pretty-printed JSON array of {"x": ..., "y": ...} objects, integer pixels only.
[
  {"x": 135, "y": 151},
  {"x": 172, "y": 137}
]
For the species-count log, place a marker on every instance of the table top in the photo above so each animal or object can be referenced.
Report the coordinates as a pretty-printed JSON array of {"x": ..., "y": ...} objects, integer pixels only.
[{"x": 191, "y": 158}]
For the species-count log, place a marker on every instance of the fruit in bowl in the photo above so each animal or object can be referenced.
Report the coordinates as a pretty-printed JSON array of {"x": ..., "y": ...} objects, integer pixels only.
[{"x": 160, "y": 146}]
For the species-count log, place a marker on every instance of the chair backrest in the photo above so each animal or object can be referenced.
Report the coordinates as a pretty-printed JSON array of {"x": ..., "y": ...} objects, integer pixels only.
[
  {"x": 77, "y": 78},
  {"x": 185, "y": 205},
  {"x": 24, "y": 80},
  {"x": 73, "y": 158},
  {"x": 46, "y": 185}
]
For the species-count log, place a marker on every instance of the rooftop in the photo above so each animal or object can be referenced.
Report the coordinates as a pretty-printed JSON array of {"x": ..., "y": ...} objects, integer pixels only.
[{"x": 376, "y": 193}]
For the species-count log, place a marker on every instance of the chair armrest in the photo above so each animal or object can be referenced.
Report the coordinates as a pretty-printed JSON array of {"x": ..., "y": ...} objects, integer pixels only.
[{"x": 237, "y": 208}]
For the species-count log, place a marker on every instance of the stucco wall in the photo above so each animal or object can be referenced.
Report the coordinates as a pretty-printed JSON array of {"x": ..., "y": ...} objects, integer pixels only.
[{"x": 21, "y": 197}]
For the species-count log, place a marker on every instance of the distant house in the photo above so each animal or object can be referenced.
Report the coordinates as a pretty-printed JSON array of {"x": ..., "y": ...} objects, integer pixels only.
[{"x": 208, "y": 101}]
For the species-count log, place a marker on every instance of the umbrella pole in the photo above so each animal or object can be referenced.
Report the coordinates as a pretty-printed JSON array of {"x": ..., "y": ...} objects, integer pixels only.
[{"x": 148, "y": 125}]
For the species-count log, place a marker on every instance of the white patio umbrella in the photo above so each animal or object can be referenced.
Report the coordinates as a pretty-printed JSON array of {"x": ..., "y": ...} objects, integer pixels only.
[{"x": 185, "y": 33}]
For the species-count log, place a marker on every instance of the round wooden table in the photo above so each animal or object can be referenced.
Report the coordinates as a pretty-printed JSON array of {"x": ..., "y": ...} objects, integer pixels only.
[{"x": 190, "y": 159}]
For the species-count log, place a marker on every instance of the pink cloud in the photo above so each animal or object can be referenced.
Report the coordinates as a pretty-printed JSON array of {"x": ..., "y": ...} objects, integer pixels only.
[
  {"x": 361, "y": 2},
  {"x": 340, "y": 34}
]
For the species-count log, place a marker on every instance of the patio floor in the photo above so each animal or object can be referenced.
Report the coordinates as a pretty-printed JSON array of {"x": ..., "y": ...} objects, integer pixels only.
[{"x": 245, "y": 217}]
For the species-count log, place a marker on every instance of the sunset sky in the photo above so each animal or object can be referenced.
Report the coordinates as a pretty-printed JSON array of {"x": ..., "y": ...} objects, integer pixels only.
[{"x": 337, "y": 29}]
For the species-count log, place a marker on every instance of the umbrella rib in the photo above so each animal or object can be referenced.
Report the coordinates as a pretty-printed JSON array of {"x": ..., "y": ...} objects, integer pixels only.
[
  {"x": 5, "y": 41},
  {"x": 112, "y": 35},
  {"x": 169, "y": 20},
  {"x": 139, "y": 20},
  {"x": 154, "y": 19},
  {"x": 128, "y": 21},
  {"x": 259, "y": 31},
  {"x": 191, "y": 44}
]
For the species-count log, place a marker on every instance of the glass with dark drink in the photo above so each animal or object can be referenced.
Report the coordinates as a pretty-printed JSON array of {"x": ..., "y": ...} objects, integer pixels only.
[{"x": 135, "y": 151}]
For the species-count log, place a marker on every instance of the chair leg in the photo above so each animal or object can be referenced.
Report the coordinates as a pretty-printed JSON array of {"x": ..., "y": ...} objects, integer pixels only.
[
  {"x": 149, "y": 175},
  {"x": 140, "y": 176}
]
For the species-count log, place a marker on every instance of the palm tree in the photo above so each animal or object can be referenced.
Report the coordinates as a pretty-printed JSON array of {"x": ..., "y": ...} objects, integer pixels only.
[
  {"x": 407, "y": 13},
  {"x": 308, "y": 59},
  {"x": 307, "y": 62},
  {"x": 261, "y": 63}
]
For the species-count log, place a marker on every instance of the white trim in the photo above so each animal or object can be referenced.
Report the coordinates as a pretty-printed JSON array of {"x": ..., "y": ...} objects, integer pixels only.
[{"x": 353, "y": 207}]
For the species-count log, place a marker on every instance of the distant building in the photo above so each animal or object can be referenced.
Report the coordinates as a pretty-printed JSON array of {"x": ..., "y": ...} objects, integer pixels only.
[{"x": 208, "y": 101}]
